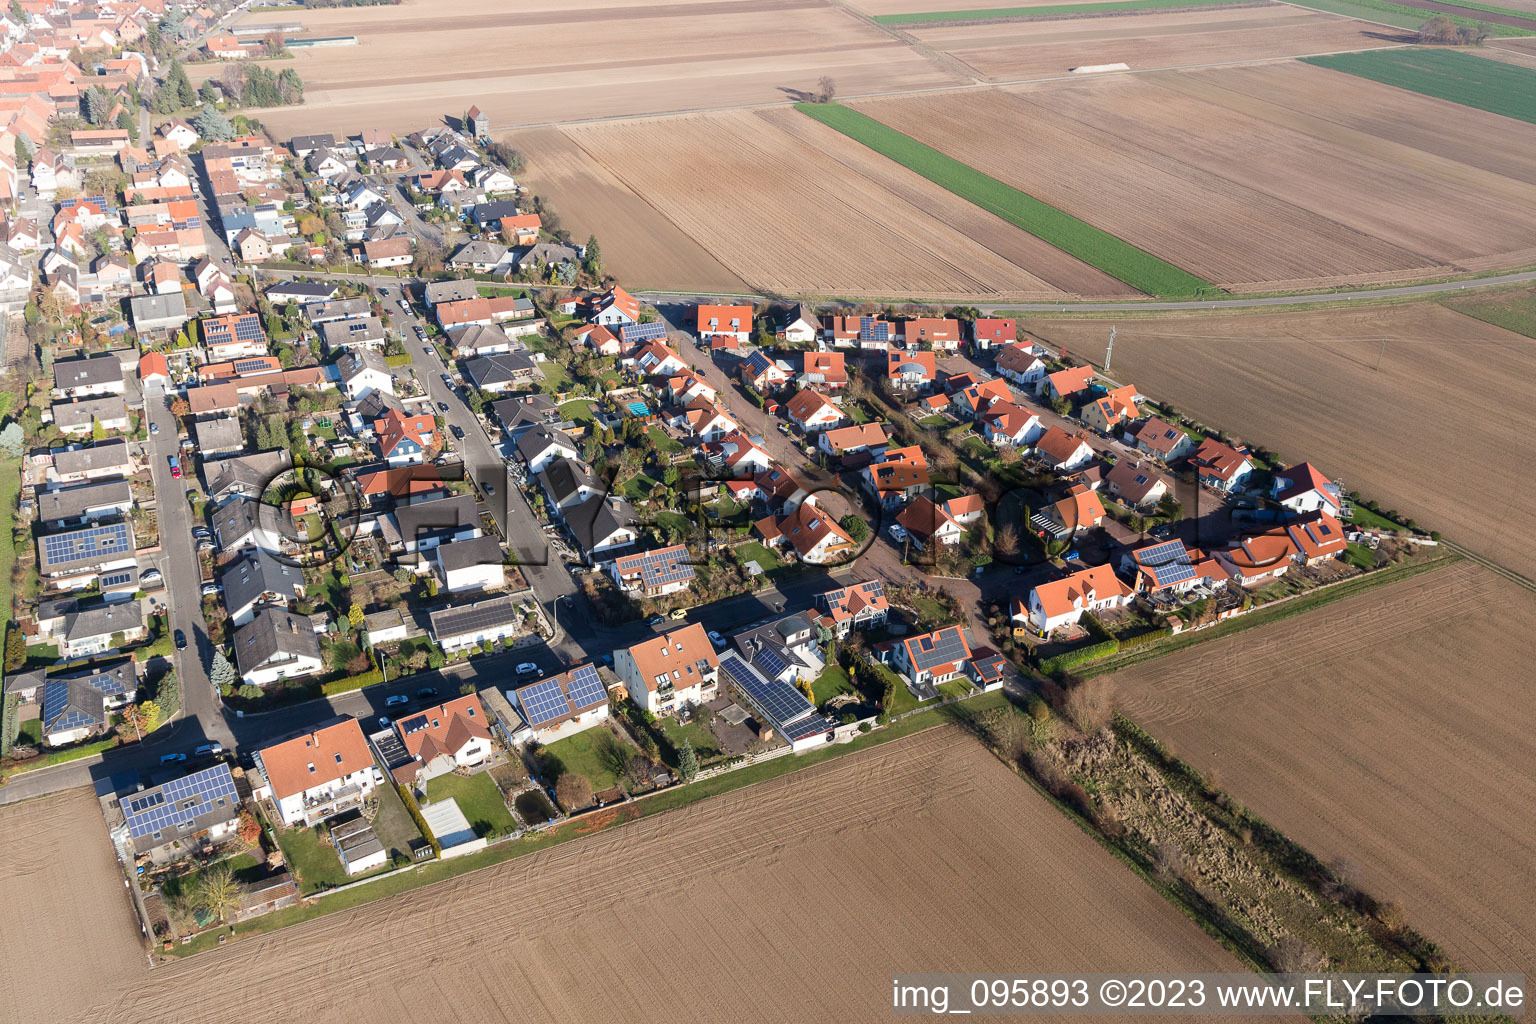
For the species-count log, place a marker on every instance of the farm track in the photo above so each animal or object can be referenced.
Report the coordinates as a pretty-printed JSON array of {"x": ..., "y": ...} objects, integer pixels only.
[{"x": 1492, "y": 566}]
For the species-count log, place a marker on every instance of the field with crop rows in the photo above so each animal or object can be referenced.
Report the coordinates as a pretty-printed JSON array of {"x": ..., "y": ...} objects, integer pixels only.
[
  {"x": 1043, "y": 11},
  {"x": 1448, "y": 75},
  {"x": 1136, "y": 267}
]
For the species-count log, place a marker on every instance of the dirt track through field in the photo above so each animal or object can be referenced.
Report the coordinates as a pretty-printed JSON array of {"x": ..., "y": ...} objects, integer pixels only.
[
  {"x": 1440, "y": 431},
  {"x": 1395, "y": 729},
  {"x": 792, "y": 900}
]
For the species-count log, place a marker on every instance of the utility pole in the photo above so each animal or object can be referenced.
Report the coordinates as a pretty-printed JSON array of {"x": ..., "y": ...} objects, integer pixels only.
[
  {"x": 1110, "y": 351},
  {"x": 1379, "y": 352}
]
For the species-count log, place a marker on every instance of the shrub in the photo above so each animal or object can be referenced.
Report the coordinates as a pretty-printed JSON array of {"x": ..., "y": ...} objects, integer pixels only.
[
  {"x": 355, "y": 682},
  {"x": 409, "y": 799}
]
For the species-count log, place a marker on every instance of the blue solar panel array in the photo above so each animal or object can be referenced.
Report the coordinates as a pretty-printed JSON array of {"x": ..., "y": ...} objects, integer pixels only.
[
  {"x": 778, "y": 701},
  {"x": 871, "y": 329},
  {"x": 658, "y": 568},
  {"x": 1168, "y": 575},
  {"x": 1162, "y": 554},
  {"x": 655, "y": 330},
  {"x": 116, "y": 579},
  {"x": 940, "y": 648},
  {"x": 543, "y": 702},
  {"x": 181, "y": 801},
  {"x": 113, "y": 539},
  {"x": 586, "y": 687},
  {"x": 769, "y": 661}
]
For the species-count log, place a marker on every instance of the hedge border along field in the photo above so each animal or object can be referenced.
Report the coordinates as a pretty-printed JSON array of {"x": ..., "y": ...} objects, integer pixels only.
[
  {"x": 1053, "y": 11},
  {"x": 1116, "y": 257},
  {"x": 1386, "y": 13},
  {"x": 1499, "y": 88}
]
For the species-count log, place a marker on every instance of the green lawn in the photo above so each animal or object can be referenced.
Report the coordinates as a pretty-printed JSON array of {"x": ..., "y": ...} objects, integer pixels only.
[
  {"x": 393, "y": 824},
  {"x": 934, "y": 422},
  {"x": 661, "y": 442},
  {"x": 478, "y": 798},
  {"x": 1363, "y": 516},
  {"x": 595, "y": 753},
  {"x": 1400, "y": 15},
  {"x": 704, "y": 743},
  {"x": 752, "y": 551},
  {"x": 1115, "y": 256},
  {"x": 31, "y": 733},
  {"x": 1452, "y": 75},
  {"x": 856, "y": 413},
  {"x": 1359, "y": 556},
  {"x": 577, "y": 410},
  {"x": 832, "y": 681},
  {"x": 313, "y": 863},
  {"x": 638, "y": 487},
  {"x": 955, "y": 687},
  {"x": 1053, "y": 11}
]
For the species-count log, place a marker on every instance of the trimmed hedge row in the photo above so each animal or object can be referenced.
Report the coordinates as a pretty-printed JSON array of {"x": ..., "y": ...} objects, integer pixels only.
[
  {"x": 409, "y": 799},
  {"x": 350, "y": 683},
  {"x": 1070, "y": 659}
]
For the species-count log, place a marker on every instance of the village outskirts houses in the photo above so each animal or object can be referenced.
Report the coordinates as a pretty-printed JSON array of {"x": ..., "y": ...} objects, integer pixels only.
[
  {"x": 317, "y": 775},
  {"x": 671, "y": 670}
]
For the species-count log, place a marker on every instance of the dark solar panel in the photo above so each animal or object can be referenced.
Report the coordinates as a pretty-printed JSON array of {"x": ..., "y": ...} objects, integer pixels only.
[
  {"x": 586, "y": 687},
  {"x": 769, "y": 661},
  {"x": 779, "y": 702},
  {"x": 114, "y": 539},
  {"x": 1161, "y": 554},
  {"x": 652, "y": 331},
  {"x": 543, "y": 701},
  {"x": 1170, "y": 574},
  {"x": 181, "y": 801},
  {"x": 941, "y": 648}
]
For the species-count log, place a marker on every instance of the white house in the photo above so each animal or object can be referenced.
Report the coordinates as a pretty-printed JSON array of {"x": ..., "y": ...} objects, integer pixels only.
[
  {"x": 364, "y": 371},
  {"x": 442, "y": 738},
  {"x": 1303, "y": 489},
  {"x": 276, "y": 644},
  {"x": 664, "y": 673},
  {"x": 1062, "y": 602},
  {"x": 1006, "y": 423},
  {"x": 469, "y": 625},
  {"x": 812, "y": 411},
  {"x": 470, "y": 565},
  {"x": 1062, "y": 451},
  {"x": 317, "y": 775},
  {"x": 562, "y": 705}
]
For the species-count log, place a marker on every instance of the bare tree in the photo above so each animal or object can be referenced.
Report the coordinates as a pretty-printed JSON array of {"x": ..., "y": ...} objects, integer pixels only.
[
  {"x": 573, "y": 791},
  {"x": 1090, "y": 705},
  {"x": 1292, "y": 956},
  {"x": 1005, "y": 540},
  {"x": 232, "y": 82},
  {"x": 826, "y": 89},
  {"x": 218, "y": 892}
]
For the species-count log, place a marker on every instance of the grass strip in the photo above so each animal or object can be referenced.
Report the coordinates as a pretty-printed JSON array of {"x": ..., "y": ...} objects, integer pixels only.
[
  {"x": 1052, "y": 11},
  {"x": 1511, "y": 311},
  {"x": 1508, "y": 12},
  {"x": 1400, "y": 15},
  {"x": 1499, "y": 88},
  {"x": 666, "y": 800},
  {"x": 1115, "y": 256}
]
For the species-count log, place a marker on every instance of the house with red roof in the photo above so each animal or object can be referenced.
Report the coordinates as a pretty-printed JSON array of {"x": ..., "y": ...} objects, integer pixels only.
[
  {"x": 599, "y": 339},
  {"x": 1063, "y": 451},
  {"x": 615, "y": 308},
  {"x": 1079, "y": 511},
  {"x": 929, "y": 659},
  {"x": 1156, "y": 436},
  {"x": 970, "y": 402},
  {"x": 1067, "y": 383},
  {"x": 1135, "y": 482},
  {"x": 735, "y": 456},
  {"x": 403, "y": 440},
  {"x": 825, "y": 371},
  {"x": 1112, "y": 409},
  {"x": 1302, "y": 488},
  {"x": 443, "y": 738},
  {"x": 317, "y": 775},
  {"x": 812, "y": 411},
  {"x": 987, "y": 333},
  {"x": 724, "y": 321},
  {"x": 860, "y": 438},
  {"x": 1220, "y": 466},
  {"x": 939, "y": 335},
  {"x": 857, "y": 606},
  {"x": 810, "y": 531},
  {"x": 907, "y": 370},
  {"x": 898, "y": 476},
  {"x": 1008, "y": 423},
  {"x": 1062, "y": 602},
  {"x": 927, "y": 523}
]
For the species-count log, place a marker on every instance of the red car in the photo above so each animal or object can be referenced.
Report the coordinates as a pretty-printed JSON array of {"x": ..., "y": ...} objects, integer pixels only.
[{"x": 175, "y": 468}]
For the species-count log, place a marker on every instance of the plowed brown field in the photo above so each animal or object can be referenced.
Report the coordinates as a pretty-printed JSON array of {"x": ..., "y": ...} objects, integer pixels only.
[
  {"x": 793, "y": 900},
  {"x": 422, "y": 61},
  {"x": 793, "y": 207},
  {"x": 1440, "y": 431},
  {"x": 1396, "y": 729},
  {"x": 1246, "y": 191},
  {"x": 71, "y": 935},
  {"x": 1148, "y": 40}
]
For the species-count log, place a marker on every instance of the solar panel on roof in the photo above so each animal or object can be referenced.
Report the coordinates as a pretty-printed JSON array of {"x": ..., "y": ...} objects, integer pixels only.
[
  {"x": 771, "y": 663},
  {"x": 941, "y": 648},
  {"x": 543, "y": 701},
  {"x": 586, "y": 687},
  {"x": 871, "y": 329},
  {"x": 1169, "y": 575},
  {"x": 116, "y": 579},
  {"x": 181, "y": 801},
  {"x": 652, "y": 331},
  {"x": 1162, "y": 554},
  {"x": 113, "y": 539}
]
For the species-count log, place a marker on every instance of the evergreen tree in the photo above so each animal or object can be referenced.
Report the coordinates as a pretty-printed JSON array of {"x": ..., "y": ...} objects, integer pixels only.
[
  {"x": 128, "y": 123},
  {"x": 97, "y": 105},
  {"x": 208, "y": 93},
  {"x": 221, "y": 673},
  {"x": 592, "y": 258},
  {"x": 687, "y": 762},
  {"x": 211, "y": 124}
]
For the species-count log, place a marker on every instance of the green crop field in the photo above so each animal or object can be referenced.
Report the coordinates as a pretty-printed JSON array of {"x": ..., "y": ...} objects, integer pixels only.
[
  {"x": 1388, "y": 13},
  {"x": 1114, "y": 256},
  {"x": 1494, "y": 9},
  {"x": 1448, "y": 75},
  {"x": 1052, "y": 11}
]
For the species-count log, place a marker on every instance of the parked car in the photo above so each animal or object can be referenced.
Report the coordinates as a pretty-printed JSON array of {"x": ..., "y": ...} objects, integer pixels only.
[
  {"x": 443, "y": 406},
  {"x": 426, "y": 691},
  {"x": 656, "y": 620},
  {"x": 181, "y": 640},
  {"x": 154, "y": 428},
  {"x": 716, "y": 639},
  {"x": 457, "y": 431},
  {"x": 1162, "y": 532},
  {"x": 678, "y": 613},
  {"x": 210, "y": 589},
  {"x": 397, "y": 700},
  {"x": 490, "y": 488},
  {"x": 149, "y": 576},
  {"x": 208, "y": 750},
  {"x": 527, "y": 668},
  {"x": 173, "y": 758},
  {"x": 383, "y": 721}
]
